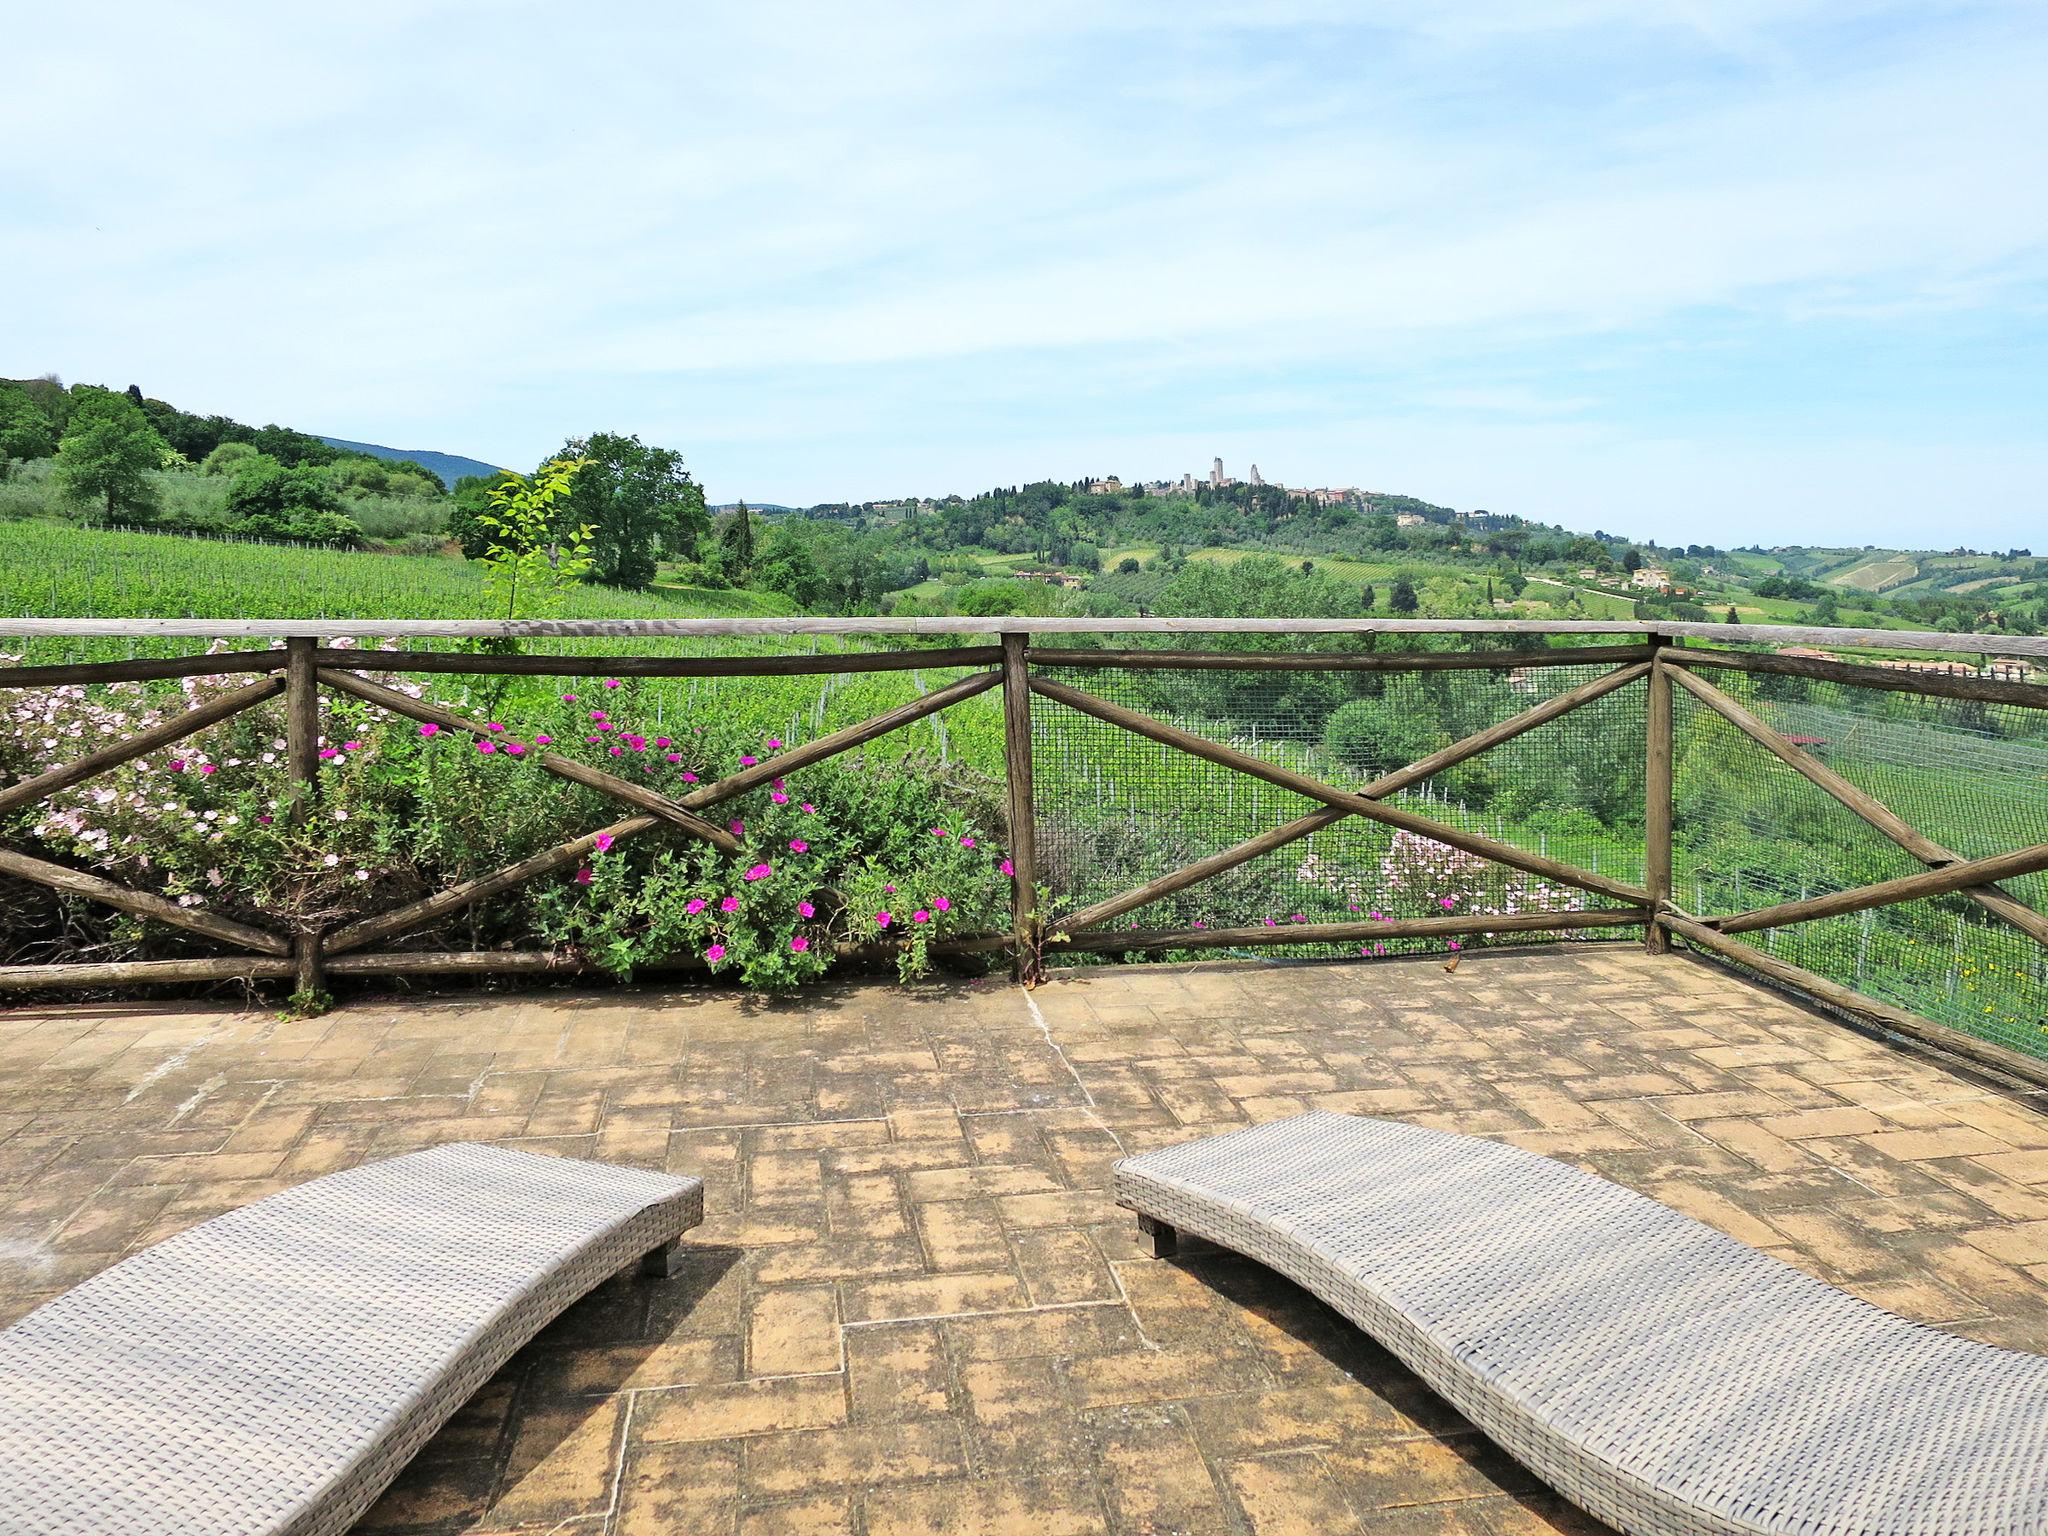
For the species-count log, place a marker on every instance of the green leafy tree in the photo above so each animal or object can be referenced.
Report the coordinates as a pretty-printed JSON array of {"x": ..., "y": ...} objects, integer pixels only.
[
  {"x": 736, "y": 540},
  {"x": 25, "y": 432},
  {"x": 107, "y": 453},
  {"x": 637, "y": 501},
  {"x": 1403, "y": 599},
  {"x": 531, "y": 558},
  {"x": 229, "y": 458},
  {"x": 270, "y": 501}
]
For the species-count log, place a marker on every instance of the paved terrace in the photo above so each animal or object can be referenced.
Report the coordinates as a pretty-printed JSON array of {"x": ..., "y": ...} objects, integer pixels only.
[{"x": 914, "y": 1311}]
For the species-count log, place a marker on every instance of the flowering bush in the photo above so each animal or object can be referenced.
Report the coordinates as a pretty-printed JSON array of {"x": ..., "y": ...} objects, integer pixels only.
[
  {"x": 1417, "y": 871},
  {"x": 402, "y": 809}
]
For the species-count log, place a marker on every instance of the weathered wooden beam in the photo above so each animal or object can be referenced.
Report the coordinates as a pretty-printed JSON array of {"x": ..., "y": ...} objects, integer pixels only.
[
  {"x": 659, "y": 666},
  {"x": 1349, "y": 800},
  {"x": 76, "y": 882},
  {"x": 852, "y": 736},
  {"x": 143, "y": 973},
  {"x": 1023, "y": 813},
  {"x": 142, "y": 743},
  {"x": 1898, "y": 1020},
  {"x": 1109, "y": 939},
  {"x": 92, "y": 674},
  {"x": 1343, "y": 661},
  {"x": 639, "y": 796},
  {"x": 444, "y": 903},
  {"x": 1387, "y": 784},
  {"x": 1984, "y": 690},
  {"x": 301, "y": 725},
  {"x": 1864, "y": 804},
  {"x": 1657, "y": 797},
  {"x": 1934, "y": 882}
]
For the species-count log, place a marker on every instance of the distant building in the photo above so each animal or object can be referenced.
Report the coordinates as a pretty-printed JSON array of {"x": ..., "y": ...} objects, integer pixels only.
[
  {"x": 1409, "y": 520},
  {"x": 1217, "y": 479},
  {"x": 1650, "y": 576},
  {"x": 1109, "y": 487},
  {"x": 1255, "y": 479}
]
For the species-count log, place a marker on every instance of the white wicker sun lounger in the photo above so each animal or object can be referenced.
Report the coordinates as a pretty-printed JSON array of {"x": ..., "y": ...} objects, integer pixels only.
[
  {"x": 1660, "y": 1375},
  {"x": 270, "y": 1371}
]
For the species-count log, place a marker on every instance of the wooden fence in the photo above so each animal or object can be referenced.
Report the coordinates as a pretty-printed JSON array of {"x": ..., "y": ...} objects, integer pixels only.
[{"x": 1654, "y": 656}]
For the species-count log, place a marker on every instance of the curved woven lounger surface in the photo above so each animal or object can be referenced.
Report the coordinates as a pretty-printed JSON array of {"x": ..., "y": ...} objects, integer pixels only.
[
  {"x": 271, "y": 1370},
  {"x": 1662, "y": 1376}
]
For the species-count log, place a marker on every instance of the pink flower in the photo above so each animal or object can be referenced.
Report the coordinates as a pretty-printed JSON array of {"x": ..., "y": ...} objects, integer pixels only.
[
  {"x": 694, "y": 906},
  {"x": 920, "y": 916},
  {"x": 774, "y": 745},
  {"x": 758, "y": 872},
  {"x": 966, "y": 842},
  {"x": 590, "y": 738},
  {"x": 661, "y": 741},
  {"x": 888, "y": 890},
  {"x": 430, "y": 729},
  {"x": 739, "y": 828},
  {"x": 810, "y": 809},
  {"x": 568, "y": 698},
  {"x": 798, "y": 845},
  {"x": 208, "y": 768},
  {"x": 177, "y": 765},
  {"x": 1200, "y": 924},
  {"x": 487, "y": 746},
  {"x": 748, "y": 762},
  {"x": 351, "y": 746},
  {"x": 776, "y": 785},
  {"x": 714, "y": 954},
  {"x": 264, "y": 819},
  {"x": 604, "y": 841},
  {"x": 940, "y": 832},
  {"x": 543, "y": 741},
  {"x": 1450, "y": 901},
  {"x": 1007, "y": 867},
  {"x": 583, "y": 875},
  {"x": 805, "y": 909},
  {"x": 1456, "y": 945},
  {"x": 1271, "y": 924},
  {"x": 618, "y": 751},
  {"x": 611, "y": 682},
  {"x": 799, "y": 943},
  {"x": 598, "y": 714},
  {"x": 943, "y": 904},
  {"x": 779, "y": 798},
  {"x": 882, "y": 919},
  {"x": 730, "y": 904},
  {"x": 515, "y": 749},
  {"x": 1297, "y": 918},
  {"x": 327, "y": 752},
  {"x": 492, "y": 725}
]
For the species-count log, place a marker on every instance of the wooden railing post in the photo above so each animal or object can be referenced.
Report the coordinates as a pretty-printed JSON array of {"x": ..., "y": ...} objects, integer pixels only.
[
  {"x": 1022, "y": 808},
  {"x": 1657, "y": 797},
  {"x": 302, "y": 763}
]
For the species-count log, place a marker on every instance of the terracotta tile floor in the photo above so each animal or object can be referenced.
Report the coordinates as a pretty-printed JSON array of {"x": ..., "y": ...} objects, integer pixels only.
[{"x": 913, "y": 1308}]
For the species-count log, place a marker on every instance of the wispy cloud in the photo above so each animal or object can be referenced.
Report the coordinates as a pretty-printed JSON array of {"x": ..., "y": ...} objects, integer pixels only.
[{"x": 839, "y": 251}]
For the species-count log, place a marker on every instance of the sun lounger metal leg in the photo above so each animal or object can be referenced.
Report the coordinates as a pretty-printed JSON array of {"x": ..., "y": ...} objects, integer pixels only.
[
  {"x": 659, "y": 1263},
  {"x": 1163, "y": 1240}
]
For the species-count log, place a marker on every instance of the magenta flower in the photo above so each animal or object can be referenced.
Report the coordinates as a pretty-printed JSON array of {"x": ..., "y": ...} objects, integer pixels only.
[
  {"x": 943, "y": 904},
  {"x": 177, "y": 765},
  {"x": 1297, "y": 918},
  {"x": 1450, "y": 901},
  {"x": 1456, "y": 945},
  {"x": 882, "y": 919},
  {"x": 568, "y": 698},
  {"x": 351, "y": 746},
  {"x": 799, "y": 943},
  {"x": 1007, "y": 867},
  {"x": 590, "y": 738},
  {"x": 583, "y": 875},
  {"x": 776, "y": 785},
  {"x": 694, "y": 906},
  {"x": 598, "y": 714},
  {"x": 920, "y": 916},
  {"x": 714, "y": 954},
  {"x": 430, "y": 729},
  {"x": 208, "y": 768},
  {"x": 515, "y": 749},
  {"x": 798, "y": 845},
  {"x": 730, "y": 904},
  {"x": 758, "y": 872},
  {"x": 327, "y": 752},
  {"x": 492, "y": 725},
  {"x": 484, "y": 746},
  {"x": 779, "y": 798},
  {"x": 739, "y": 828},
  {"x": 940, "y": 832},
  {"x": 264, "y": 819},
  {"x": 661, "y": 741},
  {"x": 748, "y": 762},
  {"x": 888, "y": 890},
  {"x": 966, "y": 842},
  {"x": 604, "y": 842},
  {"x": 1200, "y": 924},
  {"x": 810, "y": 809},
  {"x": 618, "y": 751},
  {"x": 543, "y": 741},
  {"x": 1271, "y": 924},
  {"x": 611, "y": 682},
  {"x": 805, "y": 909}
]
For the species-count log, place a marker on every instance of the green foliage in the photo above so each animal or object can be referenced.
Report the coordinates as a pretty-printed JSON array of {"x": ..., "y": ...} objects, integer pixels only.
[
  {"x": 106, "y": 455},
  {"x": 636, "y": 502},
  {"x": 1376, "y": 736},
  {"x": 269, "y": 501},
  {"x": 531, "y": 557},
  {"x": 25, "y": 432},
  {"x": 736, "y": 542},
  {"x": 229, "y": 458}
]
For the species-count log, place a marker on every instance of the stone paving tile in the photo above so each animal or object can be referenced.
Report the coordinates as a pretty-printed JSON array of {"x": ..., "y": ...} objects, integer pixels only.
[{"x": 913, "y": 1309}]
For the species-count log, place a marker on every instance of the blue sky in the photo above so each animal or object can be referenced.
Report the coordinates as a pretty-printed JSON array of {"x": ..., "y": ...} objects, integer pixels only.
[{"x": 1726, "y": 270}]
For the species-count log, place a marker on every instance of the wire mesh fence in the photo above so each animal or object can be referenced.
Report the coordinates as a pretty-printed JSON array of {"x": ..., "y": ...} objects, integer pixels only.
[{"x": 1116, "y": 810}]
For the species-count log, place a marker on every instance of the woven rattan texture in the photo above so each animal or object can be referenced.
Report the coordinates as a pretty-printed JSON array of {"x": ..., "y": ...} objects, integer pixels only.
[
  {"x": 1663, "y": 1376},
  {"x": 271, "y": 1370}
]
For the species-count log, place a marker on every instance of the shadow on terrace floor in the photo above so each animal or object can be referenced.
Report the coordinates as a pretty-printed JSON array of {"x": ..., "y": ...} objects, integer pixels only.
[{"x": 914, "y": 1310}]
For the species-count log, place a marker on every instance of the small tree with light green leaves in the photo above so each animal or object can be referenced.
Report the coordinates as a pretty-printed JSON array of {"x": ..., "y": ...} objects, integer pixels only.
[{"x": 531, "y": 561}]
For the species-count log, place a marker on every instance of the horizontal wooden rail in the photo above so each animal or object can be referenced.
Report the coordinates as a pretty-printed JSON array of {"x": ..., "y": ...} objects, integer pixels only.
[
  {"x": 1342, "y": 661},
  {"x": 1111, "y": 939},
  {"x": 1344, "y": 799},
  {"x": 139, "y": 669},
  {"x": 659, "y": 666},
  {"x": 142, "y": 743},
  {"x": 1934, "y": 882},
  {"x": 1943, "y": 685},
  {"x": 1862, "y": 803},
  {"x": 1388, "y": 784},
  {"x": 1860, "y": 1005}
]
